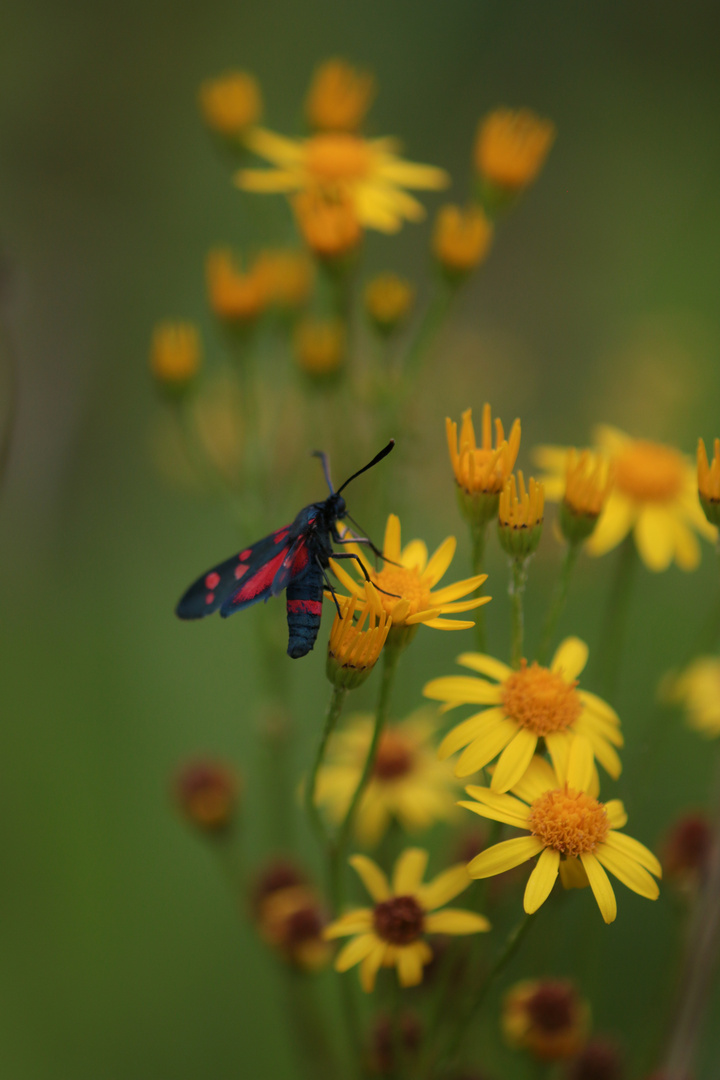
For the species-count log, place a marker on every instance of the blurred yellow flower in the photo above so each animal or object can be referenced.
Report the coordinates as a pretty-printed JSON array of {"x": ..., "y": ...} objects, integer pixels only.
[
  {"x": 291, "y": 920},
  {"x": 328, "y": 223},
  {"x": 388, "y": 299},
  {"x": 461, "y": 238},
  {"x": 654, "y": 495},
  {"x": 234, "y": 296},
  {"x": 480, "y": 469},
  {"x": 391, "y": 933},
  {"x": 354, "y": 648},
  {"x": 511, "y": 147},
  {"x": 368, "y": 172},
  {"x": 546, "y": 1017},
  {"x": 319, "y": 346},
  {"x": 527, "y": 705},
  {"x": 175, "y": 354},
  {"x": 408, "y": 784},
  {"x": 697, "y": 689},
  {"x": 588, "y": 481},
  {"x": 287, "y": 276},
  {"x": 231, "y": 103},
  {"x": 407, "y": 580},
  {"x": 207, "y": 793},
  {"x": 339, "y": 96},
  {"x": 708, "y": 481},
  {"x": 566, "y": 823}
]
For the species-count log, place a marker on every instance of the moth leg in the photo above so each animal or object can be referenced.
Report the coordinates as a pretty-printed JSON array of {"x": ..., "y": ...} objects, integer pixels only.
[
  {"x": 330, "y": 586},
  {"x": 352, "y": 555},
  {"x": 361, "y": 540}
]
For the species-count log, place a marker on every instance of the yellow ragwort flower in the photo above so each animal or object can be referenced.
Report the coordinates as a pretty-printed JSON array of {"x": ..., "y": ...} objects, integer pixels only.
[
  {"x": 520, "y": 516},
  {"x": 291, "y": 920},
  {"x": 546, "y": 1017},
  {"x": 588, "y": 481},
  {"x": 511, "y": 147},
  {"x": 697, "y": 690},
  {"x": 287, "y": 276},
  {"x": 407, "y": 579},
  {"x": 482, "y": 469},
  {"x": 175, "y": 354},
  {"x": 391, "y": 933},
  {"x": 569, "y": 829},
  {"x": 407, "y": 785},
  {"x": 388, "y": 299},
  {"x": 654, "y": 495},
  {"x": 234, "y": 296},
  {"x": 339, "y": 96},
  {"x": 461, "y": 238},
  {"x": 329, "y": 224},
  {"x": 368, "y": 172},
  {"x": 231, "y": 103},
  {"x": 525, "y": 706},
  {"x": 319, "y": 346},
  {"x": 708, "y": 481},
  {"x": 354, "y": 648}
]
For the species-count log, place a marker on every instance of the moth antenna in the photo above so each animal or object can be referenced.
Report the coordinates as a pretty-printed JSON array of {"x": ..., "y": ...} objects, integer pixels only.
[
  {"x": 325, "y": 467},
  {"x": 378, "y": 457}
]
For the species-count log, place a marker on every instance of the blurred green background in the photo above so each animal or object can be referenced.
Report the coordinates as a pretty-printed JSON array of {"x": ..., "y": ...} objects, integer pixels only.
[{"x": 122, "y": 954}]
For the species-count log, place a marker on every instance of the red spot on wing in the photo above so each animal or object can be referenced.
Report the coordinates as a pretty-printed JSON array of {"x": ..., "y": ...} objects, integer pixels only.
[
  {"x": 240, "y": 570},
  {"x": 245, "y": 554},
  {"x": 209, "y": 599},
  {"x": 280, "y": 535},
  {"x": 262, "y": 579},
  {"x": 212, "y": 580},
  {"x": 300, "y": 559},
  {"x": 309, "y": 607}
]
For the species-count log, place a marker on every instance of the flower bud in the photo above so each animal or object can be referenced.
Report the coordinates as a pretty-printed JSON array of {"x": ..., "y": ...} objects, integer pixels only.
[
  {"x": 388, "y": 299},
  {"x": 520, "y": 516},
  {"x": 231, "y": 103},
  {"x": 461, "y": 240},
  {"x": 175, "y": 356},
  {"x": 207, "y": 794}
]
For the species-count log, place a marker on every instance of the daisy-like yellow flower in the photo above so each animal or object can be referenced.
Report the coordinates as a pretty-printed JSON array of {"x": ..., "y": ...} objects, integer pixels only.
[
  {"x": 175, "y": 354},
  {"x": 367, "y": 172},
  {"x": 511, "y": 147},
  {"x": 697, "y": 689},
  {"x": 391, "y": 933},
  {"x": 354, "y": 647},
  {"x": 525, "y": 706},
  {"x": 408, "y": 784},
  {"x": 569, "y": 829},
  {"x": 480, "y": 469},
  {"x": 654, "y": 496},
  {"x": 546, "y": 1017},
  {"x": 708, "y": 481},
  {"x": 231, "y": 103},
  {"x": 339, "y": 96},
  {"x": 407, "y": 581}
]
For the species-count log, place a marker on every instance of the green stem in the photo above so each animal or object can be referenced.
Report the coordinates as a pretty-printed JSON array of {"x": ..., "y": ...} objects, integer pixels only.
[
  {"x": 337, "y": 700},
  {"x": 613, "y": 631},
  {"x": 338, "y": 851},
  {"x": 517, "y": 596},
  {"x": 430, "y": 324},
  {"x": 479, "y": 537},
  {"x": 557, "y": 604},
  {"x": 11, "y": 394}
]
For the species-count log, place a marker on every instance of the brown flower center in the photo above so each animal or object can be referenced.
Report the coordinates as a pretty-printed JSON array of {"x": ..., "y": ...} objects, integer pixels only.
[
  {"x": 649, "y": 471},
  {"x": 568, "y": 821},
  {"x": 334, "y": 158},
  {"x": 399, "y": 920},
  {"x": 552, "y": 1006},
  {"x": 402, "y": 583},
  {"x": 540, "y": 700},
  {"x": 394, "y": 758}
]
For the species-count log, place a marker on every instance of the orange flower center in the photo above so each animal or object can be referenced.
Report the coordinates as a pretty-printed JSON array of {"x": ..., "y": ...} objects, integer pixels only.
[
  {"x": 568, "y": 821},
  {"x": 399, "y": 920},
  {"x": 333, "y": 158},
  {"x": 540, "y": 700},
  {"x": 649, "y": 471},
  {"x": 404, "y": 583},
  {"x": 394, "y": 757},
  {"x": 484, "y": 470}
]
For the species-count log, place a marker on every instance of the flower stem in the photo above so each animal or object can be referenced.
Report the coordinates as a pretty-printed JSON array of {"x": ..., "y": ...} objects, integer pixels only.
[
  {"x": 517, "y": 596},
  {"x": 557, "y": 604},
  {"x": 432, "y": 319},
  {"x": 613, "y": 631},
  {"x": 338, "y": 850},
  {"x": 479, "y": 537},
  {"x": 335, "y": 707}
]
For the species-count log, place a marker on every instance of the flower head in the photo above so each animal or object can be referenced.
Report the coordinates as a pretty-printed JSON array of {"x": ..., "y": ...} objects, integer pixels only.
[
  {"x": 408, "y": 784},
  {"x": 520, "y": 516},
  {"x": 546, "y": 1017},
  {"x": 388, "y": 299},
  {"x": 569, "y": 829},
  {"x": 328, "y": 223},
  {"x": 598, "y": 1060},
  {"x": 367, "y": 172},
  {"x": 231, "y": 103},
  {"x": 511, "y": 147},
  {"x": 686, "y": 849},
  {"x": 654, "y": 495},
  {"x": 392, "y": 932},
  {"x": 481, "y": 470},
  {"x": 461, "y": 239},
  {"x": 339, "y": 97},
  {"x": 406, "y": 582},
  {"x": 291, "y": 919},
  {"x": 354, "y": 648},
  {"x": 207, "y": 794},
  {"x": 588, "y": 480},
  {"x": 525, "y": 706},
  {"x": 697, "y": 690},
  {"x": 708, "y": 481},
  {"x": 175, "y": 355},
  {"x": 287, "y": 276},
  {"x": 234, "y": 296},
  {"x": 319, "y": 346}
]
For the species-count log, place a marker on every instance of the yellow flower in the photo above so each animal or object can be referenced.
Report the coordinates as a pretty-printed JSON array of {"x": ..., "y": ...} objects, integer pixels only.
[
  {"x": 368, "y": 172},
  {"x": 520, "y": 516},
  {"x": 461, "y": 238},
  {"x": 291, "y": 920},
  {"x": 526, "y": 705},
  {"x": 697, "y": 689},
  {"x": 588, "y": 481},
  {"x": 388, "y": 299},
  {"x": 654, "y": 495},
  {"x": 287, "y": 276},
  {"x": 482, "y": 470},
  {"x": 339, "y": 97},
  {"x": 329, "y": 224},
  {"x": 546, "y": 1017},
  {"x": 408, "y": 784},
  {"x": 407, "y": 579},
  {"x": 319, "y": 346},
  {"x": 569, "y": 829},
  {"x": 708, "y": 481},
  {"x": 353, "y": 649},
  {"x": 391, "y": 933},
  {"x": 231, "y": 103},
  {"x": 511, "y": 147},
  {"x": 175, "y": 354},
  {"x": 234, "y": 296}
]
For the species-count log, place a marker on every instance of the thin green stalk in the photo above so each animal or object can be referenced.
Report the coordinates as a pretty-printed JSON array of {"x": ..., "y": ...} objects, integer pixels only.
[
  {"x": 348, "y": 1002},
  {"x": 338, "y": 852},
  {"x": 612, "y": 637},
  {"x": 11, "y": 396},
  {"x": 706, "y": 639},
  {"x": 337, "y": 700},
  {"x": 428, "y": 328},
  {"x": 517, "y": 596},
  {"x": 557, "y": 604},
  {"x": 479, "y": 538},
  {"x": 317, "y": 1056}
]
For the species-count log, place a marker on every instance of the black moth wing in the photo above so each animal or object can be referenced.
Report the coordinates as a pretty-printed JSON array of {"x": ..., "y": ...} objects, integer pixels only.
[{"x": 272, "y": 576}]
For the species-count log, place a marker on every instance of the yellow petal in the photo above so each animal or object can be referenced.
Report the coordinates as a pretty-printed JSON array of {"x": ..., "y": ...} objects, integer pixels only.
[
  {"x": 599, "y": 707},
  {"x": 453, "y": 624},
  {"x": 444, "y": 888},
  {"x": 409, "y": 174},
  {"x": 371, "y": 876},
  {"x": 601, "y": 887},
  {"x": 570, "y": 658},
  {"x": 617, "y": 817},
  {"x": 485, "y": 746},
  {"x": 409, "y": 965},
  {"x": 655, "y": 537},
  {"x": 457, "y": 589},
  {"x": 603, "y": 751},
  {"x": 455, "y": 921},
  {"x": 538, "y": 779},
  {"x": 463, "y": 733},
  {"x": 370, "y": 967},
  {"x": 355, "y": 951},
  {"x": 353, "y": 922},
  {"x": 353, "y": 587},
  {"x": 628, "y": 871},
  {"x": 463, "y": 689},
  {"x": 391, "y": 543},
  {"x": 613, "y": 525},
  {"x": 558, "y": 747},
  {"x": 514, "y": 760},
  {"x": 498, "y": 807},
  {"x": 635, "y": 850},
  {"x": 485, "y": 665},
  {"x": 440, "y": 561},
  {"x": 273, "y": 147},
  {"x": 267, "y": 181},
  {"x": 414, "y": 556},
  {"x": 504, "y": 856},
  {"x": 572, "y": 874},
  {"x": 409, "y": 871},
  {"x": 687, "y": 548},
  {"x": 541, "y": 880},
  {"x": 580, "y": 764}
]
